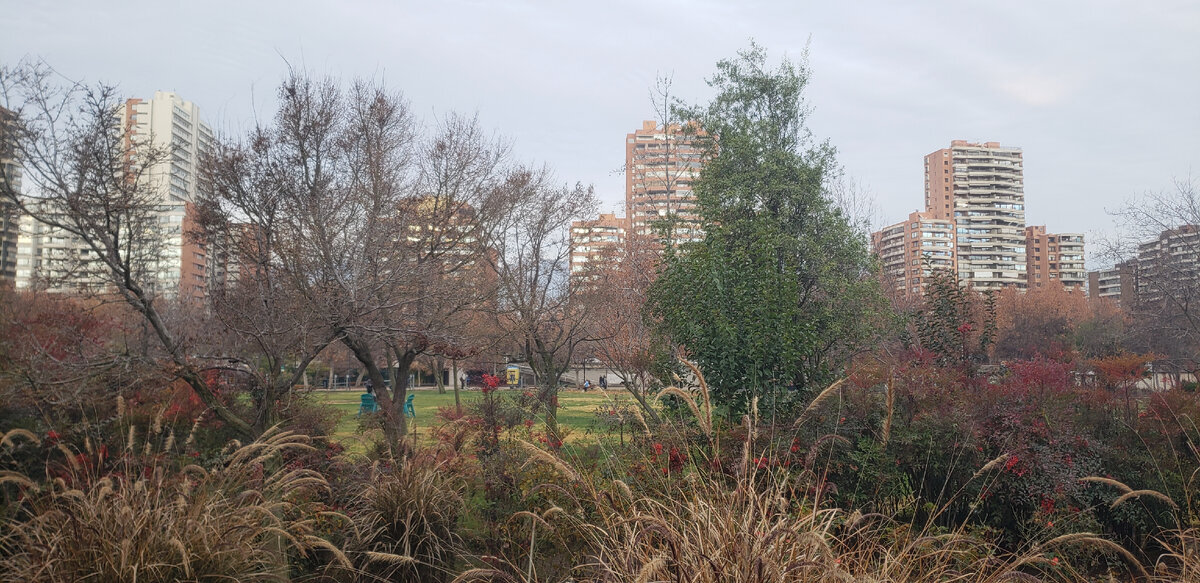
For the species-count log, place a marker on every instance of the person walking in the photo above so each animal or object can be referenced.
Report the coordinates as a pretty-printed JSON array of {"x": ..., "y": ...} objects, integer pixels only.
[{"x": 604, "y": 382}]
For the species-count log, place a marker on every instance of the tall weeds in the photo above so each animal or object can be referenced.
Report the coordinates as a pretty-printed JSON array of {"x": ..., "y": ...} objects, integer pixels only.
[
  {"x": 758, "y": 522},
  {"x": 237, "y": 522},
  {"x": 406, "y": 523}
]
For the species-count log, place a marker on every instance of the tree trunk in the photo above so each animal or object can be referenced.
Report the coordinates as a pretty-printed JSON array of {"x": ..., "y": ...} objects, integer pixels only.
[
  {"x": 457, "y": 401},
  {"x": 400, "y": 390},
  {"x": 438, "y": 365},
  {"x": 138, "y": 300},
  {"x": 279, "y": 388},
  {"x": 268, "y": 413},
  {"x": 639, "y": 395},
  {"x": 547, "y": 380},
  {"x": 210, "y": 400},
  {"x": 391, "y": 403}
]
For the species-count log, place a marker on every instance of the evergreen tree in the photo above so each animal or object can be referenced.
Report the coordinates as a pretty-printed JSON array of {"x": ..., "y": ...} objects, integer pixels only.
[{"x": 780, "y": 291}]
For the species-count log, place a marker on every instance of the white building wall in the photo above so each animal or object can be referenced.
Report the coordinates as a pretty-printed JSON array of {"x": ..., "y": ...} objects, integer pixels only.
[{"x": 60, "y": 262}]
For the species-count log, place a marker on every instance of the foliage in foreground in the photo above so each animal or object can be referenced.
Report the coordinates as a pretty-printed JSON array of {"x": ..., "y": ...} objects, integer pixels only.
[
  {"x": 708, "y": 520},
  {"x": 688, "y": 498},
  {"x": 148, "y": 521}
]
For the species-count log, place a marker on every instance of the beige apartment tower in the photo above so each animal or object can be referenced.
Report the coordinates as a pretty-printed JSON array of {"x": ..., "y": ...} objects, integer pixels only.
[
  {"x": 909, "y": 251},
  {"x": 660, "y": 165},
  {"x": 594, "y": 241},
  {"x": 980, "y": 186},
  {"x": 1054, "y": 257}
]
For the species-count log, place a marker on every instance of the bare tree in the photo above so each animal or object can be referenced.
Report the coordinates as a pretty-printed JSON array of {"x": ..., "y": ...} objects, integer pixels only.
[
  {"x": 240, "y": 214},
  {"x": 1159, "y": 243},
  {"x": 856, "y": 202},
  {"x": 531, "y": 259},
  {"x": 666, "y": 168},
  {"x": 377, "y": 230},
  {"x": 335, "y": 169},
  {"x": 623, "y": 337},
  {"x": 448, "y": 220},
  {"x": 83, "y": 178}
]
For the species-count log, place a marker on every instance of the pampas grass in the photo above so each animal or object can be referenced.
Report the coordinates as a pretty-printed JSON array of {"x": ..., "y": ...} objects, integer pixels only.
[
  {"x": 8, "y": 439},
  {"x": 1123, "y": 498},
  {"x": 1109, "y": 482},
  {"x": 816, "y": 403}
]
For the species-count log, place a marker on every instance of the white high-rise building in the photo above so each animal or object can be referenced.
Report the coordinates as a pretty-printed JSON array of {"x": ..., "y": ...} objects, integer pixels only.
[
  {"x": 165, "y": 123},
  {"x": 981, "y": 188},
  {"x": 168, "y": 123},
  {"x": 10, "y": 173}
]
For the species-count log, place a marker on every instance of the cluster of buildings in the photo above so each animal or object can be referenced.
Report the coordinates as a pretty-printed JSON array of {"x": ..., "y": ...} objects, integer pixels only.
[
  {"x": 661, "y": 163},
  {"x": 974, "y": 225},
  {"x": 1167, "y": 267},
  {"x": 973, "y": 222},
  {"x": 35, "y": 255}
]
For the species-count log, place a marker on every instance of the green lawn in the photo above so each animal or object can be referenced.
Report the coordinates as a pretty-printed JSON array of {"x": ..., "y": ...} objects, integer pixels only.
[{"x": 575, "y": 410}]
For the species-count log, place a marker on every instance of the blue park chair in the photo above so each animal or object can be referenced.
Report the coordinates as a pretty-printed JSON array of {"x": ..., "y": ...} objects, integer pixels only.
[
  {"x": 408, "y": 407},
  {"x": 367, "y": 404}
]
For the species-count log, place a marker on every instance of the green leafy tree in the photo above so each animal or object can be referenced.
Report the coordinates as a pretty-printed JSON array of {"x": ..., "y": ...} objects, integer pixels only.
[
  {"x": 956, "y": 324},
  {"x": 779, "y": 292}
]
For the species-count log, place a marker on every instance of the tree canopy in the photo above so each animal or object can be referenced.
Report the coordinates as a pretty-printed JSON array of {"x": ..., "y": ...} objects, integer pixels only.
[{"x": 780, "y": 290}]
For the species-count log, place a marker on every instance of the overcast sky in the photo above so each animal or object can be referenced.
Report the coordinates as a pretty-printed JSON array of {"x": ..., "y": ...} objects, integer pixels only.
[{"x": 1103, "y": 96}]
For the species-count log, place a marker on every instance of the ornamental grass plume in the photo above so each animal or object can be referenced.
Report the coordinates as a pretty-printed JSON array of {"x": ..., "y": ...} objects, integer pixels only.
[
  {"x": 237, "y": 522},
  {"x": 764, "y": 524},
  {"x": 405, "y": 524}
]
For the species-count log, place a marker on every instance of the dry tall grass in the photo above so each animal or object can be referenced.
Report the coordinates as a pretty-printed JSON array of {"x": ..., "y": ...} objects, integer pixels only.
[
  {"x": 406, "y": 524},
  {"x": 144, "y": 523},
  {"x": 762, "y": 525}
]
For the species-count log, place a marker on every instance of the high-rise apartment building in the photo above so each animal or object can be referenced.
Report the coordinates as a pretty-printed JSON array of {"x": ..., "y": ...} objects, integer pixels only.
[
  {"x": 1118, "y": 283},
  {"x": 10, "y": 173},
  {"x": 1168, "y": 268},
  {"x": 980, "y": 187},
  {"x": 909, "y": 251},
  {"x": 169, "y": 123},
  {"x": 595, "y": 240},
  {"x": 177, "y": 265},
  {"x": 1053, "y": 257},
  {"x": 1165, "y": 275},
  {"x": 660, "y": 165},
  {"x": 33, "y": 250}
]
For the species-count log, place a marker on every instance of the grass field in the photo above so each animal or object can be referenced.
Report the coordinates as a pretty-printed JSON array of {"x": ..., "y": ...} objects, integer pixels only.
[{"x": 575, "y": 410}]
